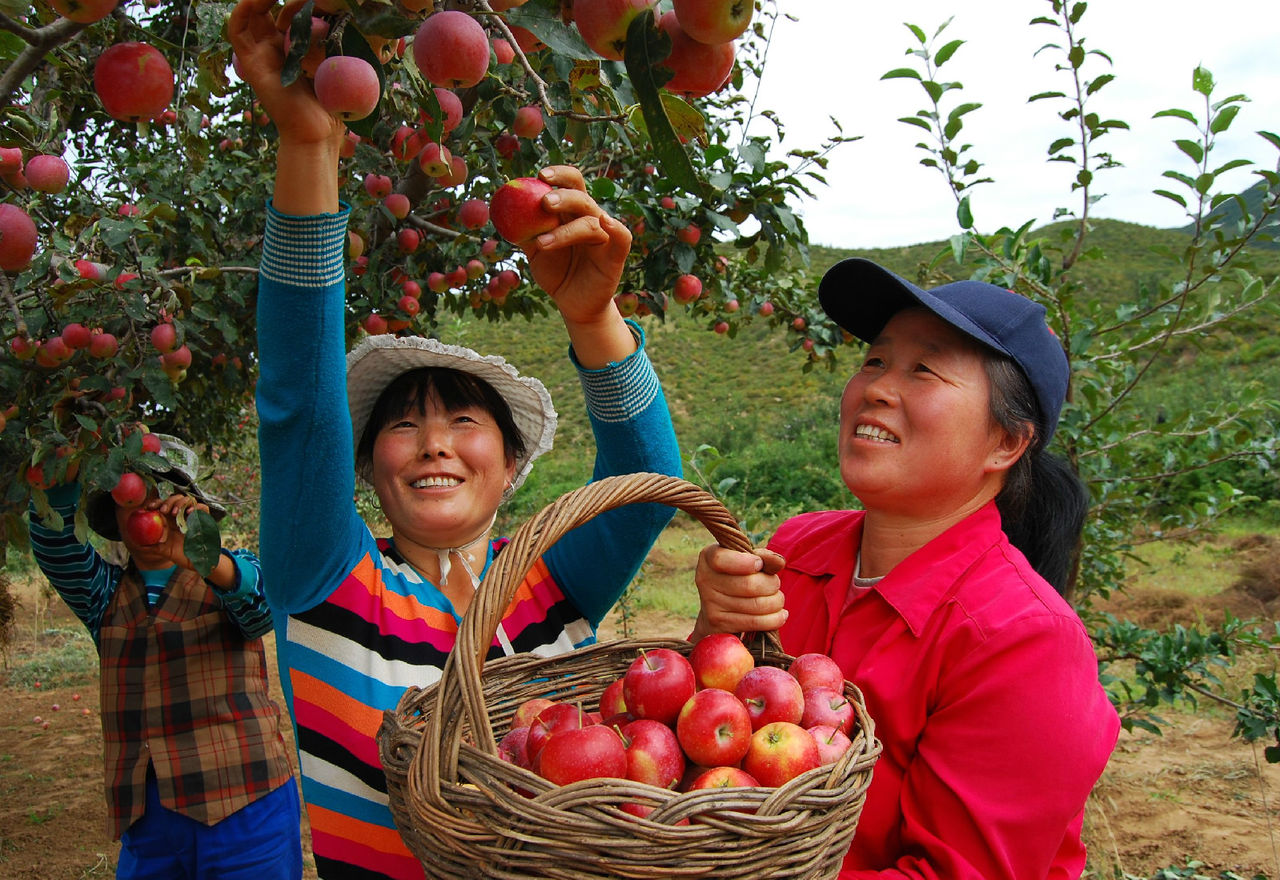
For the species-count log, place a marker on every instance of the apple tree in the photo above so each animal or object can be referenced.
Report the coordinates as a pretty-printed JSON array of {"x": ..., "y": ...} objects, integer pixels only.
[{"x": 135, "y": 168}]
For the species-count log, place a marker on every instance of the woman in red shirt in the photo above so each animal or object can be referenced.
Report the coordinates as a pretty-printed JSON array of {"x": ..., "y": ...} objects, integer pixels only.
[{"x": 941, "y": 598}]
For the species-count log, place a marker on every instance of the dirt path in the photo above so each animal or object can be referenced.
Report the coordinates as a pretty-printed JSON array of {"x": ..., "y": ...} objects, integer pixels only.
[{"x": 1193, "y": 793}]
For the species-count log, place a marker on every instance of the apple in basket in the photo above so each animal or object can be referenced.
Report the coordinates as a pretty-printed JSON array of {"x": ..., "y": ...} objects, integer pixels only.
[
  {"x": 583, "y": 753},
  {"x": 723, "y": 777},
  {"x": 612, "y": 701},
  {"x": 553, "y": 719},
  {"x": 770, "y": 694},
  {"x": 657, "y": 684},
  {"x": 528, "y": 710},
  {"x": 654, "y": 755},
  {"x": 779, "y": 752},
  {"x": 817, "y": 670},
  {"x": 720, "y": 660},
  {"x": 513, "y": 748},
  {"x": 822, "y": 705},
  {"x": 714, "y": 728},
  {"x": 832, "y": 743}
]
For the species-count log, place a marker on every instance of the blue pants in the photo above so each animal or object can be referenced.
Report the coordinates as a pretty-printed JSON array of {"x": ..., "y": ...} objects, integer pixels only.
[{"x": 259, "y": 841}]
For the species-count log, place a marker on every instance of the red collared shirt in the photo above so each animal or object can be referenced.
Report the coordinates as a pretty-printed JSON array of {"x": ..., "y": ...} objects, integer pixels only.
[{"x": 983, "y": 685}]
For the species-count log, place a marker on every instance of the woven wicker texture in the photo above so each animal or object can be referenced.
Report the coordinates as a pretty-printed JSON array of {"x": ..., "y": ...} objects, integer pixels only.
[{"x": 464, "y": 812}]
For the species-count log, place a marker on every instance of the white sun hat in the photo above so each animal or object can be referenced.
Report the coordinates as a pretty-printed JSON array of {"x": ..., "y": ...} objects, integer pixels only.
[{"x": 377, "y": 361}]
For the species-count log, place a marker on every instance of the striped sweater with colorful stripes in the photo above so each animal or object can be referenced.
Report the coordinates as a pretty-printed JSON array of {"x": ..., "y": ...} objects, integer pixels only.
[{"x": 355, "y": 624}]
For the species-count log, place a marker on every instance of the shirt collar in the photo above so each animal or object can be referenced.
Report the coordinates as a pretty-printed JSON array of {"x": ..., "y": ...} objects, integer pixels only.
[{"x": 915, "y": 587}]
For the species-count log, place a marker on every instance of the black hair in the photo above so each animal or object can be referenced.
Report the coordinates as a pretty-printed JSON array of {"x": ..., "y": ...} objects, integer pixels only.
[
  {"x": 1043, "y": 502},
  {"x": 455, "y": 389}
]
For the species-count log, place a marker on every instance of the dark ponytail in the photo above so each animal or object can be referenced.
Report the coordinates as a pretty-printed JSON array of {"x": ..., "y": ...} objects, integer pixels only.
[{"x": 1044, "y": 502}]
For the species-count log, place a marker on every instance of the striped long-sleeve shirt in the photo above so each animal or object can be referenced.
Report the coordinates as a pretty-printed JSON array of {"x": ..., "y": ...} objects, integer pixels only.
[{"x": 355, "y": 624}]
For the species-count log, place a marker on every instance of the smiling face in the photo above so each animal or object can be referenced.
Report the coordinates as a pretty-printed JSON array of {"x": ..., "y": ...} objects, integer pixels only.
[
  {"x": 439, "y": 465},
  {"x": 916, "y": 434}
]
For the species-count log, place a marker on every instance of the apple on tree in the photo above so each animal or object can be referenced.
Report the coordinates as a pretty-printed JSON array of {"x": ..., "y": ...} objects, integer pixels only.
[
  {"x": 451, "y": 49},
  {"x": 17, "y": 238},
  {"x": 714, "y": 21},
  {"x": 517, "y": 212},
  {"x": 134, "y": 81},
  {"x": 347, "y": 87},
  {"x": 603, "y": 24},
  {"x": 145, "y": 528}
]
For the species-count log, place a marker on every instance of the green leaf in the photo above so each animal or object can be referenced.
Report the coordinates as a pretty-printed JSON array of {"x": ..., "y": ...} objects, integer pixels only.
[
  {"x": 944, "y": 54},
  {"x": 934, "y": 89},
  {"x": 919, "y": 34},
  {"x": 1060, "y": 144},
  {"x": 1043, "y": 95},
  {"x": 548, "y": 27},
  {"x": 902, "y": 73},
  {"x": 1192, "y": 149},
  {"x": 1202, "y": 81},
  {"x": 1076, "y": 57},
  {"x": 202, "y": 542},
  {"x": 1174, "y": 197},
  {"x": 299, "y": 43},
  {"x": 646, "y": 46},
  {"x": 963, "y": 215},
  {"x": 916, "y": 121},
  {"x": 1181, "y": 114},
  {"x": 1099, "y": 82},
  {"x": 1222, "y": 121}
]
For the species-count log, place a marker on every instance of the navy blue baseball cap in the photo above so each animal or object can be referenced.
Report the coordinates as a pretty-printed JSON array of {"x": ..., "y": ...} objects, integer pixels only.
[{"x": 861, "y": 297}]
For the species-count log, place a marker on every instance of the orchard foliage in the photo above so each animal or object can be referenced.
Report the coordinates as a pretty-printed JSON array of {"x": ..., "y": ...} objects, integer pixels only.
[
  {"x": 150, "y": 251},
  {"x": 1129, "y": 455}
]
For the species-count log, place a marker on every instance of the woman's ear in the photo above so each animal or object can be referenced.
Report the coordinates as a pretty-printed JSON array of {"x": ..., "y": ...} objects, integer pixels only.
[{"x": 1009, "y": 449}]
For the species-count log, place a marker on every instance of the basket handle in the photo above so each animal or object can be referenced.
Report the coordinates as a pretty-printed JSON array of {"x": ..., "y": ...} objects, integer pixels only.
[{"x": 460, "y": 679}]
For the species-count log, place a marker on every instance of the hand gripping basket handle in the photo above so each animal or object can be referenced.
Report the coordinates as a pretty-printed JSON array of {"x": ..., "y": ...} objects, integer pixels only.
[{"x": 460, "y": 680}]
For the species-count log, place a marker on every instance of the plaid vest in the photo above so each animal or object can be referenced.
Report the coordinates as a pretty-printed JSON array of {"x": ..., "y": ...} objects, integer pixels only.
[{"x": 184, "y": 692}]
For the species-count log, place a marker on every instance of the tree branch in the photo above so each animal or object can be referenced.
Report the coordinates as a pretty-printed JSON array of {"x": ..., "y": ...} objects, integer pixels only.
[{"x": 39, "y": 42}]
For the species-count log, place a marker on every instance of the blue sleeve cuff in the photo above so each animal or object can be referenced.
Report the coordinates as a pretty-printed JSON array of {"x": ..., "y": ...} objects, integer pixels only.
[
  {"x": 305, "y": 251},
  {"x": 246, "y": 583},
  {"x": 620, "y": 391}
]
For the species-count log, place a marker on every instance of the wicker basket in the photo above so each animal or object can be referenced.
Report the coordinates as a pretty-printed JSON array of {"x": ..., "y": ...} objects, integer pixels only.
[{"x": 464, "y": 812}]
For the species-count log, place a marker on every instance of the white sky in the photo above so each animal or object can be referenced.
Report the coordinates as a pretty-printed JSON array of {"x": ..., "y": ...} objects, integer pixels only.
[{"x": 829, "y": 63}]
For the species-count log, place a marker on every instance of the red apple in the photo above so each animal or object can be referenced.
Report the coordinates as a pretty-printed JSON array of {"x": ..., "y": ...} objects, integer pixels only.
[
  {"x": 714, "y": 21},
  {"x": 779, "y": 752},
  {"x": 76, "y": 336},
  {"x": 397, "y": 204},
  {"x": 627, "y": 303},
  {"x": 409, "y": 305},
  {"x": 450, "y": 108},
  {"x": 721, "y": 327},
  {"x": 687, "y": 288},
  {"x": 831, "y": 743},
  {"x": 473, "y": 213},
  {"x": 458, "y": 173},
  {"x": 347, "y": 87},
  {"x": 516, "y": 210},
  {"x": 528, "y": 710},
  {"x": 377, "y": 185},
  {"x": 723, "y": 777},
  {"x": 134, "y": 81},
  {"x": 653, "y": 753},
  {"x": 823, "y": 705},
  {"x": 603, "y": 24},
  {"x": 151, "y": 443},
  {"x": 583, "y": 753},
  {"x": 408, "y": 240},
  {"x": 698, "y": 69},
  {"x": 164, "y": 337},
  {"x": 47, "y": 174},
  {"x": 526, "y": 39},
  {"x": 720, "y": 660},
  {"x": 103, "y": 346},
  {"x": 375, "y": 324},
  {"x": 178, "y": 359},
  {"x": 657, "y": 685},
  {"x": 552, "y": 720},
  {"x": 10, "y": 160},
  {"x": 817, "y": 670},
  {"x": 502, "y": 51},
  {"x": 506, "y": 145},
  {"x": 770, "y": 694},
  {"x": 435, "y": 160},
  {"x": 144, "y": 528},
  {"x": 451, "y": 49},
  {"x": 130, "y": 490},
  {"x": 714, "y": 728},
  {"x": 84, "y": 11},
  {"x": 17, "y": 238},
  {"x": 690, "y": 234},
  {"x": 513, "y": 747},
  {"x": 528, "y": 122}
]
